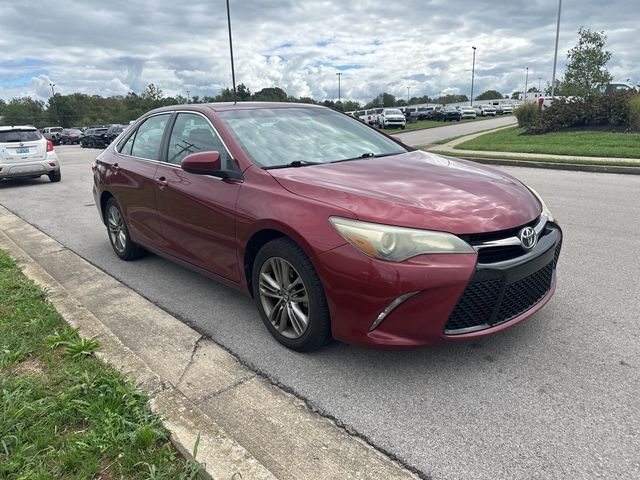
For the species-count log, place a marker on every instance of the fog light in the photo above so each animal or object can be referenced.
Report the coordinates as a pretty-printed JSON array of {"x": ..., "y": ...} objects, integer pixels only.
[{"x": 390, "y": 308}]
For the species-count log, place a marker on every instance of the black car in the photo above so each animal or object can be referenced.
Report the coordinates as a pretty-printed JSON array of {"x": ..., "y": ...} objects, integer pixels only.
[
  {"x": 93, "y": 138},
  {"x": 112, "y": 133},
  {"x": 449, "y": 113}
]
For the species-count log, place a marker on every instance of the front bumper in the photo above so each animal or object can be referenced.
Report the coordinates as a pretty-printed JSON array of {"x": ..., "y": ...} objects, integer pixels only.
[
  {"x": 30, "y": 168},
  {"x": 359, "y": 289}
]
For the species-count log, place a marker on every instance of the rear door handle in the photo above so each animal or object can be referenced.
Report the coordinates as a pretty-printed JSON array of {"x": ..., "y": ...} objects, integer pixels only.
[{"x": 162, "y": 181}]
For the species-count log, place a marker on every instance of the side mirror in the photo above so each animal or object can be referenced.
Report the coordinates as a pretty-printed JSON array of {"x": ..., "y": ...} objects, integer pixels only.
[
  {"x": 207, "y": 163},
  {"x": 203, "y": 163}
]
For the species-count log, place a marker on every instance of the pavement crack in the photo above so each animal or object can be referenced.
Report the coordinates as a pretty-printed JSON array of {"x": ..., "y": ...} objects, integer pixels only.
[
  {"x": 209, "y": 396},
  {"x": 196, "y": 346}
]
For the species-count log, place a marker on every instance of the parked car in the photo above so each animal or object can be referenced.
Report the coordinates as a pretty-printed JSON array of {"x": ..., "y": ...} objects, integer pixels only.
[
  {"x": 52, "y": 133},
  {"x": 93, "y": 138},
  {"x": 112, "y": 133},
  {"x": 467, "y": 112},
  {"x": 449, "y": 114},
  {"x": 24, "y": 152},
  {"x": 369, "y": 117},
  {"x": 507, "y": 109},
  {"x": 333, "y": 228},
  {"x": 487, "y": 110},
  {"x": 70, "y": 136},
  {"x": 418, "y": 113},
  {"x": 392, "y": 117}
]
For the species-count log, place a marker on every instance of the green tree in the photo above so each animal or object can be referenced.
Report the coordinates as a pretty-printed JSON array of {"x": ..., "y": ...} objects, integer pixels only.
[
  {"x": 586, "y": 68},
  {"x": 271, "y": 94},
  {"x": 24, "y": 111},
  {"x": 452, "y": 99},
  {"x": 244, "y": 94},
  {"x": 516, "y": 95},
  {"x": 489, "y": 95},
  {"x": 383, "y": 100}
]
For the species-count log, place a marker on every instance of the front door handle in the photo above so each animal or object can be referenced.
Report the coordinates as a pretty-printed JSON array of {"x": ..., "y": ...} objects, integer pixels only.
[{"x": 162, "y": 181}]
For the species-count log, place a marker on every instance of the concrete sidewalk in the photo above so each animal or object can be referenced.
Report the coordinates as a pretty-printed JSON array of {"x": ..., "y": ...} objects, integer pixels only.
[
  {"x": 450, "y": 149},
  {"x": 246, "y": 424}
]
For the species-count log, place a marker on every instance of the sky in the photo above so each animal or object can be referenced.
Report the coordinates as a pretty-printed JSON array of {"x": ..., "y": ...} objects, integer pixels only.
[{"x": 111, "y": 48}]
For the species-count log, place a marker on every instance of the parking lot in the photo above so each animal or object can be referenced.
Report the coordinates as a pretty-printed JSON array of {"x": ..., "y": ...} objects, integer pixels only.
[{"x": 554, "y": 397}]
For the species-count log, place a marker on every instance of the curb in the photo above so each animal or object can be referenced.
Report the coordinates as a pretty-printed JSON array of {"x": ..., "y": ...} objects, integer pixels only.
[
  {"x": 247, "y": 425},
  {"x": 576, "y": 167}
]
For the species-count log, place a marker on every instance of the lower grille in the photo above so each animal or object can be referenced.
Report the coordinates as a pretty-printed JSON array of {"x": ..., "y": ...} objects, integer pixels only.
[{"x": 482, "y": 305}]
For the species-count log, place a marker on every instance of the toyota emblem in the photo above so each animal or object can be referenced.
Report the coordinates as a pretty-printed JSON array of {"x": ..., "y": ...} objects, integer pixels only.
[{"x": 527, "y": 237}]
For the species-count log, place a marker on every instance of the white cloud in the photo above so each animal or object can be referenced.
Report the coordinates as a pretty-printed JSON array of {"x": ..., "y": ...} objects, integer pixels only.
[{"x": 110, "y": 48}]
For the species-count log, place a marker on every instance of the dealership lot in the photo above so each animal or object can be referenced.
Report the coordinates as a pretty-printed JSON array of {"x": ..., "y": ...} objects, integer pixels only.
[{"x": 555, "y": 397}]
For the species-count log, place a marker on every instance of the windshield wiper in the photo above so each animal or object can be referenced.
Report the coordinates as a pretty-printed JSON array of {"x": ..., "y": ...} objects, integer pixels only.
[
  {"x": 366, "y": 155},
  {"x": 295, "y": 163}
]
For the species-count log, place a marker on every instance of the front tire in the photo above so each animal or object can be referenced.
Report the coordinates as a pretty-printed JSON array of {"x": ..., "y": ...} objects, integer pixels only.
[
  {"x": 290, "y": 297},
  {"x": 118, "y": 232}
]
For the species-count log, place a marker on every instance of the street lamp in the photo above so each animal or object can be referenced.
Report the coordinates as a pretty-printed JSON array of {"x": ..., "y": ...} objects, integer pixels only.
[
  {"x": 188, "y": 92},
  {"x": 408, "y": 95},
  {"x": 339, "y": 74},
  {"x": 539, "y": 84},
  {"x": 233, "y": 73},
  {"x": 526, "y": 83},
  {"x": 53, "y": 93},
  {"x": 555, "y": 55},
  {"x": 473, "y": 72}
]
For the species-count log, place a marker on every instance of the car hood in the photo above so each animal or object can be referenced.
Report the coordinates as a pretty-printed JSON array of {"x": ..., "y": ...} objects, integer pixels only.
[{"x": 418, "y": 190}]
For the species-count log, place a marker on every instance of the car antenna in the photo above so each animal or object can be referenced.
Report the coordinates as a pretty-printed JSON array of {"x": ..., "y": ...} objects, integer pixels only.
[{"x": 233, "y": 73}]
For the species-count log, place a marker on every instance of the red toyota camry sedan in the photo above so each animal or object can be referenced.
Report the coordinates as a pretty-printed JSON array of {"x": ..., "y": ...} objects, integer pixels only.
[{"x": 336, "y": 230}]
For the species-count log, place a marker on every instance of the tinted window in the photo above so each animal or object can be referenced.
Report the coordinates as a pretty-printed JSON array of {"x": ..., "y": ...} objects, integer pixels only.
[
  {"x": 279, "y": 136},
  {"x": 193, "y": 133},
  {"x": 126, "y": 148},
  {"x": 12, "y": 136},
  {"x": 149, "y": 136}
]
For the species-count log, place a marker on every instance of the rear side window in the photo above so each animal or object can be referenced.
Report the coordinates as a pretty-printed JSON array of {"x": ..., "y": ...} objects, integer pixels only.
[
  {"x": 148, "y": 138},
  {"x": 16, "y": 136}
]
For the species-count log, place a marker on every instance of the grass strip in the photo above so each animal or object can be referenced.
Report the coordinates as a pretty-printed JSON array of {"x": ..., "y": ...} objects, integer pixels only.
[
  {"x": 578, "y": 143},
  {"x": 64, "y": 414}
]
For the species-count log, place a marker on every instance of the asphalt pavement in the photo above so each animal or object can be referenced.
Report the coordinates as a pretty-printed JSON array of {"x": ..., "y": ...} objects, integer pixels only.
[
  {"x": 419, "y": 138},
  {"x": 554, "y": 397}
]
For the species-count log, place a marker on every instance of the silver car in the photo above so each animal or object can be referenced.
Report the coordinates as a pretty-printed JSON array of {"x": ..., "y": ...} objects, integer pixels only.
[{"x": 24, "y": 152}]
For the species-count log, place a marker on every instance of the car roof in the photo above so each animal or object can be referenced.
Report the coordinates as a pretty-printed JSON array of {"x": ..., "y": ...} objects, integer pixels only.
[
  {"x": 17, "y": 127},
  {"x": 226, "y": 106}
]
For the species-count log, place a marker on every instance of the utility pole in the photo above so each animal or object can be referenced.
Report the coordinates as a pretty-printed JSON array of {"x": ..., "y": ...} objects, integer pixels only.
[
  {"x": 53, "y": 93},
  {"x": 555, "y": 55},
  {"x": 526, "y": 82},
  {"x": 473, "y": 72},
  {"x": 339, "y": 74}
]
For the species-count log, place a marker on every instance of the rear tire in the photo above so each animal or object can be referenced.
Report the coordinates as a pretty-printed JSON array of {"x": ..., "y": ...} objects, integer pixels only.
[
  {"x": 55, "y": 176},
  {"x": 290, "y": 297},
  {"x": 118, "y": 232}
]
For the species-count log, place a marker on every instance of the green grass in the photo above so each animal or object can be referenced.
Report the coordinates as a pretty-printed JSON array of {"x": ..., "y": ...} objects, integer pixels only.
[
  {"x": 577, "y": 143},
  {"x": 63, "y": 413}
]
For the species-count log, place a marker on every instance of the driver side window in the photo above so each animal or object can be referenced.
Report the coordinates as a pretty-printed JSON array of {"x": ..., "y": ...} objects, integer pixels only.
[{"x": 193, "y": 133}]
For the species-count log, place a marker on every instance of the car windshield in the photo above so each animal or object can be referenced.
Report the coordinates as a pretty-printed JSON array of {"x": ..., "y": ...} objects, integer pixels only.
[
  {"x": 276, "y": 137},
  {"x": 393, "y": 112},
  {"x": 56, "y": 129},
  {"x": 15, "y": 136}
]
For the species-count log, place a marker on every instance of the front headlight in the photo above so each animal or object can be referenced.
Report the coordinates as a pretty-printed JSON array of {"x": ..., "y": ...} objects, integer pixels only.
[
  {"x": 396, "y": 244},
  {"x": 545, "y": 211}
]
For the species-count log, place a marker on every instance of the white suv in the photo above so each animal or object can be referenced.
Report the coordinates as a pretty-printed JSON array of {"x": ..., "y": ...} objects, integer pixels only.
[
  {"x": 486, "y": 110},
  {"x": 24, "y": 152},
  {"x": 392, "y": 117}
]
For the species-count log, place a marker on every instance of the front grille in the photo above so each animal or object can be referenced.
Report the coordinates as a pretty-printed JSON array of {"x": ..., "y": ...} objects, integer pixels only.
[
  {"x": 500, "y": 254},
  {"x": 482, "y": 305}
]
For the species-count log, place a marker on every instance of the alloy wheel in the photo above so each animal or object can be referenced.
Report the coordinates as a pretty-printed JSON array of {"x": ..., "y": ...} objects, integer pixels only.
[
  {"x": 117, "y": 230},
  {"x": 284, "y": 297}
]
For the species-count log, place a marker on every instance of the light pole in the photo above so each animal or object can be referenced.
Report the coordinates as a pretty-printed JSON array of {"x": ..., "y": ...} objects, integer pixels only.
[
  {"x": 473, "y": 73},
  {"x": 526, "y": 83},
  {"x": 539, "y": 84},
  {"x": 188, "y": 92},
  {"x": 233, "y": 72},
  {"x": 555, "y": 55},
  {"x": 339, "y": 74},
  {"x": 408, "y": 95},
  {"x": 53, "y": 93}
]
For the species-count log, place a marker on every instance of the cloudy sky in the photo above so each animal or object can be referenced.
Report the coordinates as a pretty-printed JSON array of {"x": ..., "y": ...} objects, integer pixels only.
[{"x": 112, "y": 47}]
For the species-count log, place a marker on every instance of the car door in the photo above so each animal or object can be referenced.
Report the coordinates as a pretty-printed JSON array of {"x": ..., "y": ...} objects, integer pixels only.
[
  {"x": 132, "y": 179},
  {"x": 197, "y": 212}
]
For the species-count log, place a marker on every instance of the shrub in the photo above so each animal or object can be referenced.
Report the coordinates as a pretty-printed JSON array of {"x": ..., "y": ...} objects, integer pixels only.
[
  {"x": 634, "y": 113},
  {"x": 612, "y": 110},
  {"x": 526, "y": 114}
]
